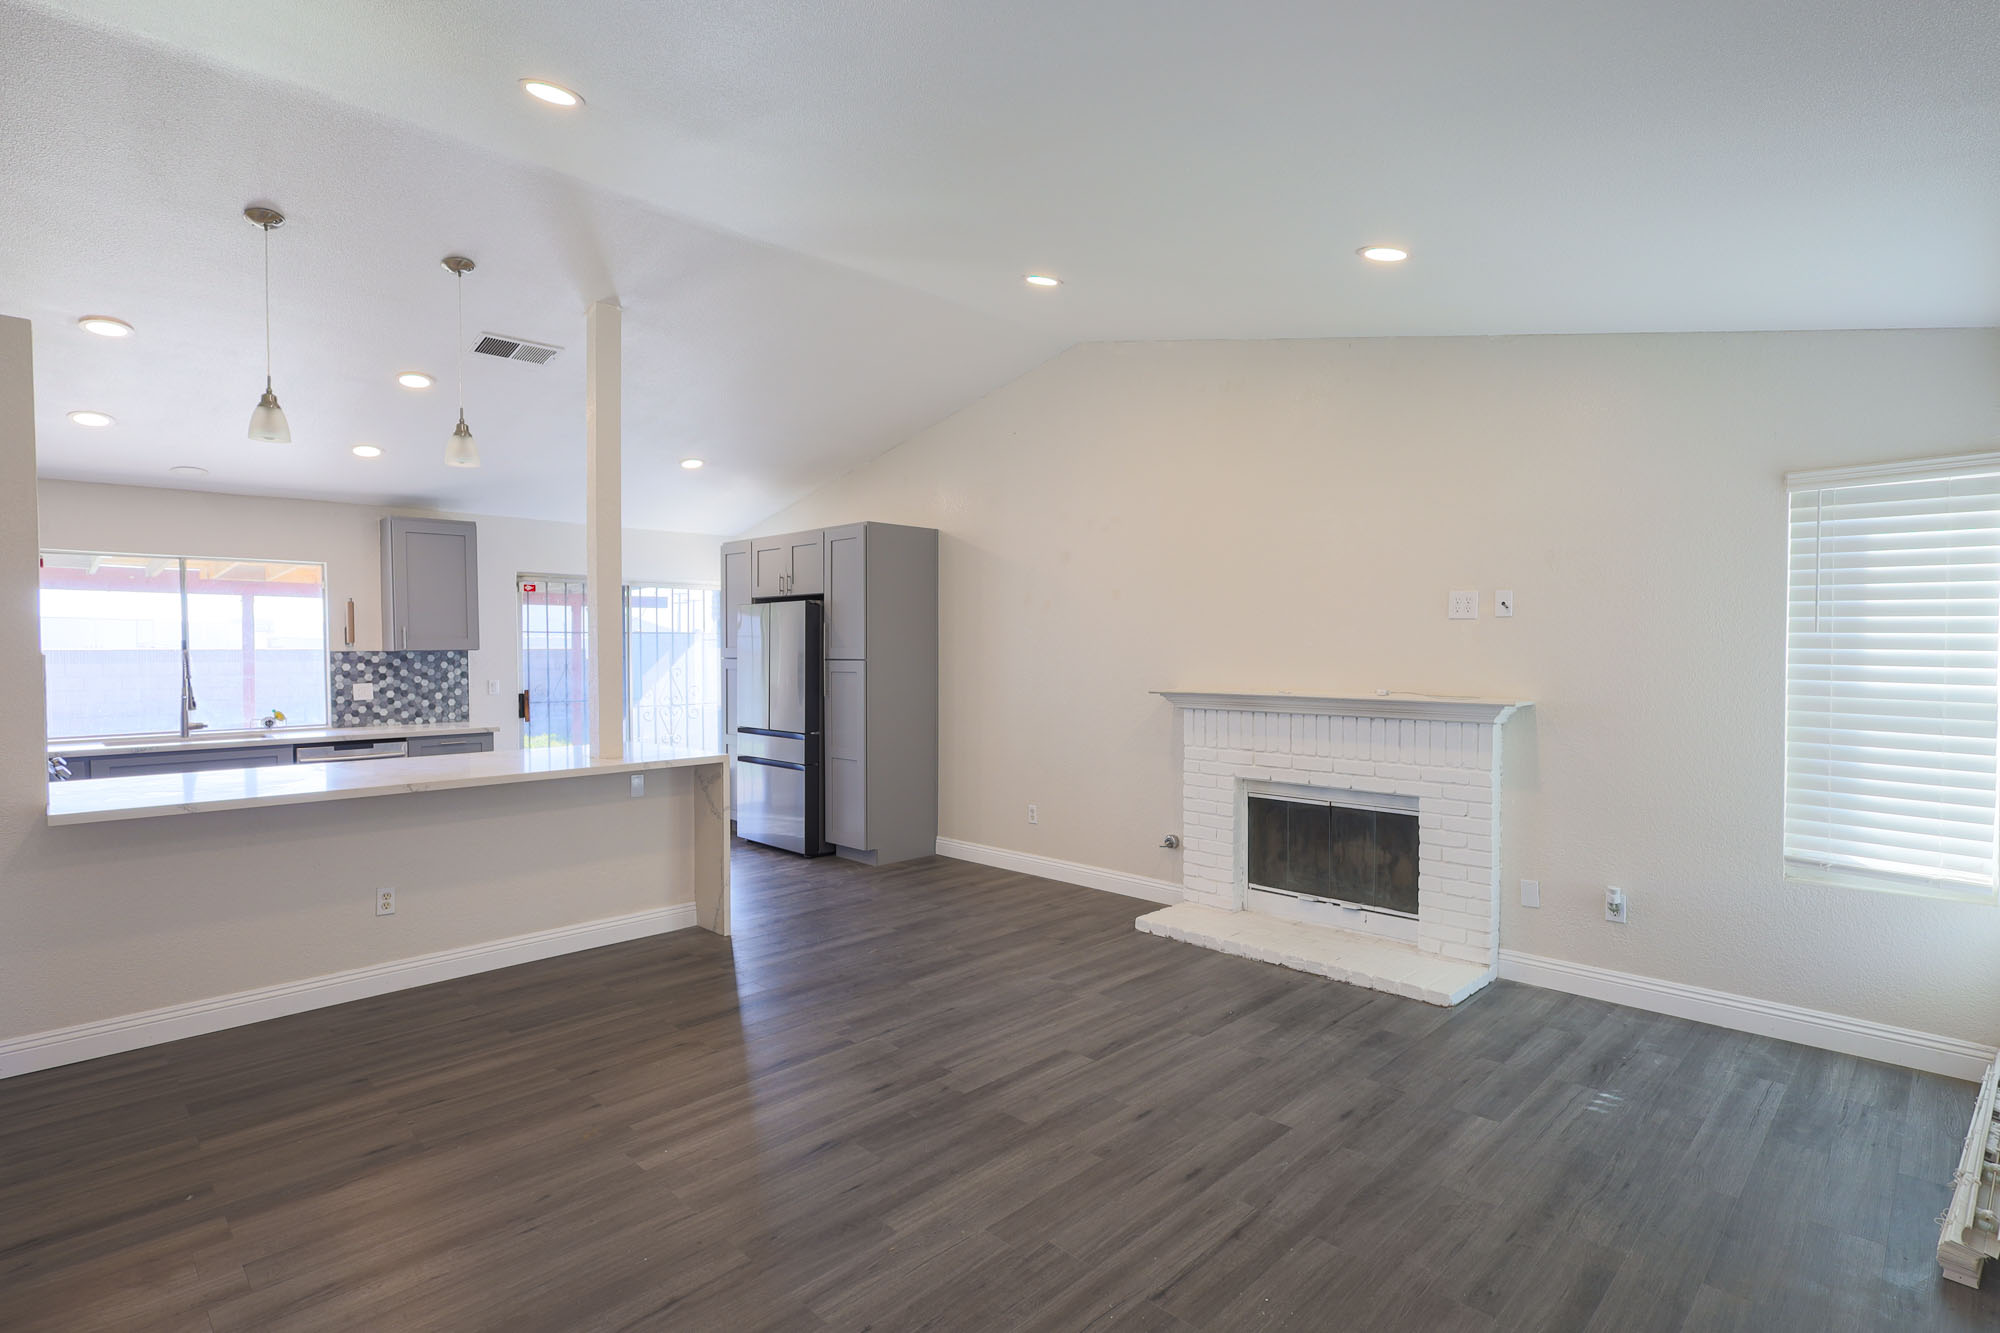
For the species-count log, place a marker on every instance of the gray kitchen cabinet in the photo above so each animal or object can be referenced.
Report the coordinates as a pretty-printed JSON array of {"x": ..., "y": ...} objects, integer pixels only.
[
  {"x": 472, "y": 742},
  {"x": 189, "y": 761},
  {"x": 847, "y": 592},
  {"x": 430, "y": 584},
  {"x": 881, "y": 604},
  {"x": 788, "y": 565},
  {"x": 735, "y": 591},
  {"x": 770, "y": 566},
  {"x": 808, "y": 562},
  {"x": 847, "y": 754}
]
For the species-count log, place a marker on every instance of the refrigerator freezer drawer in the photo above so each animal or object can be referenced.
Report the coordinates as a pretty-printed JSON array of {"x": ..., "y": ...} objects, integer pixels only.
[
  {"x": 762, "y": 745},
  {"x": 771, "y": 803}
]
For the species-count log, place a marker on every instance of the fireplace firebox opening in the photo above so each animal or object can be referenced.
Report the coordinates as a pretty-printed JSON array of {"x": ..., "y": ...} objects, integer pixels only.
[{"x": 1360, "y": 855}]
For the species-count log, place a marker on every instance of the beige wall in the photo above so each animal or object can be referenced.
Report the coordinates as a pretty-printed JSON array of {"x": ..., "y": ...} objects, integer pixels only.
[
  {"x": 103, "y": 920},
  {"x": 347, "y": 539},
  {"x": 1290, "y": 516}
]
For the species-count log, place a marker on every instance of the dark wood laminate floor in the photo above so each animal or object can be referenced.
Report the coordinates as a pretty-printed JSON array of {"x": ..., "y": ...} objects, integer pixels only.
[{"x": 937, "y": 1096}]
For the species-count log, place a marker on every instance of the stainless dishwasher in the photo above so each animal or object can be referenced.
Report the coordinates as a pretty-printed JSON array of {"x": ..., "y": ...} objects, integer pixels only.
[{"x": 337, "y": 750}]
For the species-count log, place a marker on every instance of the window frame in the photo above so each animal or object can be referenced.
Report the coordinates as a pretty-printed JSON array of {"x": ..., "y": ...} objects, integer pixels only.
[
  {"x": 1804, "y": 870},
  {"x": 181, "y": 563}
]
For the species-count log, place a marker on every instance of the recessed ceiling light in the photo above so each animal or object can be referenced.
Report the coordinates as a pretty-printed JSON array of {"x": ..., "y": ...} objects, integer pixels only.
[
  {"x": 415, "y": 379},
  {"x": 552, "y": 93},
  {"x": 690, "y": 463},
  {"x": 188, "y": 470},
  {"x": 91, "y": 418},
  {"x": 1383, "y": 254},
  {"x": 1043, "y": 280},
  {"x": 366, "y": 451},
  {"x": 104, "y": 326}
]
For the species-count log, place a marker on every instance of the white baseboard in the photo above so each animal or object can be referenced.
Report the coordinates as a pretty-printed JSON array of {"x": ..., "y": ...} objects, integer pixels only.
[
  {"x": 1766, "y": 1018},
  {"x": 1069, "y": 872},
  {"x": 87, "y": 1041}
]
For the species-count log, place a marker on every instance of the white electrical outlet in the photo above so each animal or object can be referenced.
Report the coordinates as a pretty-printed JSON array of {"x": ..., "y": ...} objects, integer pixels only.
[
  {"x": 1503, "y": 601},
  {"x": 1614, "y": 905},
  {"x": 638, "y": 784},
  {"x": 1463, "y": 604},
  {"x": 364, "y": 691},
  {"x": 1531, "y": 893},
  {"x": 493, "y": 687},
  {"x": 1034, "y": 813},
  {"x": 385, "y": 902}
]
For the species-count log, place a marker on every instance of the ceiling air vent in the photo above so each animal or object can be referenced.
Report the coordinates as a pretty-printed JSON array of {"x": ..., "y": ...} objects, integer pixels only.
[{"x": 515, "y": 349}]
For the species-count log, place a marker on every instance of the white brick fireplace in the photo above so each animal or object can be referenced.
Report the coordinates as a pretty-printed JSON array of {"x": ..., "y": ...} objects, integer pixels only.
[{"x": 1443, "y": 753}]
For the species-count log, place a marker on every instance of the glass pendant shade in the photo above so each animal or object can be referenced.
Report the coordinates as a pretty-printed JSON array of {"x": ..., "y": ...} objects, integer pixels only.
[
  {"x": 461, "y": 451},
  {"x": 267, "y": 422}
]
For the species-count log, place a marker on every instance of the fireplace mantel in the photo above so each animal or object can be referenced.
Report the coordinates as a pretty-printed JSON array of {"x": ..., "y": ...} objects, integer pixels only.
[{"x": 1427, "y": 707}]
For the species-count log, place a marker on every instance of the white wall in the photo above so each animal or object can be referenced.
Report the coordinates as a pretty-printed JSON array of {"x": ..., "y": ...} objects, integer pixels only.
[
  {"x": 103, "y": 920},
  {"x": 347, "y": 539},
  {"x": 1290, "y": 516}
]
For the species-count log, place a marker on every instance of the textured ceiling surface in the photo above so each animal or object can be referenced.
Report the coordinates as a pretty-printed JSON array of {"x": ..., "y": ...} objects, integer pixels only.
[{"x": 817, "y": 216}]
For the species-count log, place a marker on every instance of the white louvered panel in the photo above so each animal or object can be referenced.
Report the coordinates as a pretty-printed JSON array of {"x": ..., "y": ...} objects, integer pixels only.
[{"x": 1892, "y": 679}]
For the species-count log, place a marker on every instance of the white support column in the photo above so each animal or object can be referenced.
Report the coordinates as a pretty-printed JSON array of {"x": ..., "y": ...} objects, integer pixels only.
[{"x": 604, "y": 528}]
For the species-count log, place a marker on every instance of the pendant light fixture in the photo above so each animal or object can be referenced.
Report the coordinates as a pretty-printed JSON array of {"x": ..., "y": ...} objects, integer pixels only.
[
  {"x": 460, "y": 450},
  {"x": 267, "y": 422}
]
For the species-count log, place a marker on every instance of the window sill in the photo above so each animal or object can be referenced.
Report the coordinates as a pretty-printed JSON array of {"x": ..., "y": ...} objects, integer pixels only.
[{"x": 1835, "y": 877}]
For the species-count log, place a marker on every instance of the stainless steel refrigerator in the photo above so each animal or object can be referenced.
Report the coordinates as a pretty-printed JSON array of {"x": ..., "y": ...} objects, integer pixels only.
[{"x": 780, "y": 700}]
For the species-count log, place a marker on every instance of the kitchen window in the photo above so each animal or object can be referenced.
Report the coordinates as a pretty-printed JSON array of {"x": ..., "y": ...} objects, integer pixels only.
[
  {"x": 161, "y": 645},
  {"x": 1892, "y": 650},
  {"x": 672, "y": 667}
]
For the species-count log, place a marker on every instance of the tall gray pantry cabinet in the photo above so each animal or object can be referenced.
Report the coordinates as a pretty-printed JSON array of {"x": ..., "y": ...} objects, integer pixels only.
[{"x": 878, "y": 584}]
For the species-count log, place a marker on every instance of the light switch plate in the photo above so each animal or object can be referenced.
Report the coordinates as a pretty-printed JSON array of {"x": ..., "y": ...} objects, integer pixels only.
[
  {"x": 1503, "y": 601},
  {"x": 1463, "y": 604},
  {"x": 364, "y": 691},
  {"x": 1531, "y": 893}
]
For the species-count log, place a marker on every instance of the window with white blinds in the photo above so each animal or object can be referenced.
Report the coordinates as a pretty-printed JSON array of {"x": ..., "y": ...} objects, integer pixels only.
[{"x": 1891, "y": 656}]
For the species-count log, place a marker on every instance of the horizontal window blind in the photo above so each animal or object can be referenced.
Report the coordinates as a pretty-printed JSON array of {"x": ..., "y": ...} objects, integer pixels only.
[{"x": 1892, "y": 650}]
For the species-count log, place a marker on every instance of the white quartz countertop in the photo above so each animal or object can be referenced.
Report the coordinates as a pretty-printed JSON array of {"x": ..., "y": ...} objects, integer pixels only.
[
  {"x": 152, "y": 795},
  {"x": 212, "y": 740}
]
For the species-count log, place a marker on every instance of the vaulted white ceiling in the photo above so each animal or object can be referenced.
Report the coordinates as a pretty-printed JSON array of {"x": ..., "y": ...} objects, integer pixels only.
[{"x": 818, "y": 216}]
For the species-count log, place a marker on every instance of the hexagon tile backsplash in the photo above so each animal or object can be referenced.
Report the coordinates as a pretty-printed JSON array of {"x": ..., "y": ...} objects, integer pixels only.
[{"x": 410, "y": 687}]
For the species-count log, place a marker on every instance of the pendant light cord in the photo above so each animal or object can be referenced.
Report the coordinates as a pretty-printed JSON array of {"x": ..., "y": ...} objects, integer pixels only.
[
  {"x": 267, "y": 307},
  {"x": 461, "y": 344}
]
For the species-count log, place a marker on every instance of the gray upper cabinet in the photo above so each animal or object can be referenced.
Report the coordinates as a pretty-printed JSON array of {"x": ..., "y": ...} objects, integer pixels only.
[
  {"x": 770, "y": 566},
  {"x": 430, "y": 583},
  {"x": 788, "y": 565},
  {"x": 808, "y": 560},
  {"x": 847, "y": 592},
  {"x": 735, "y": 590}
]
